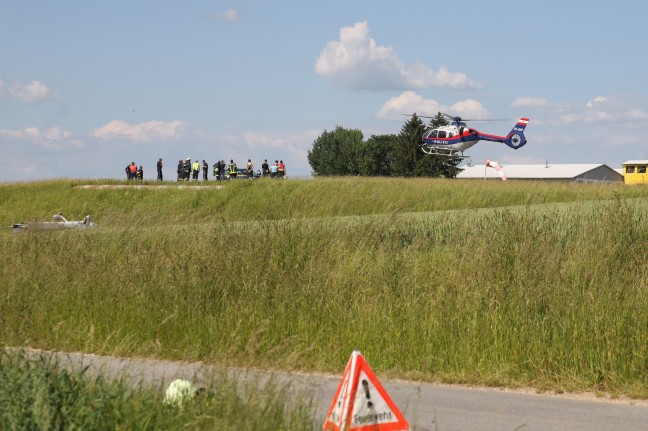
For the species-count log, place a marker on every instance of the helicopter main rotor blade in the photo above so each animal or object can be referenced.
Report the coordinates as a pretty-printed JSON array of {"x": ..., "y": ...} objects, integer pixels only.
[
  {"x": 458, "y": 119},
  {"x": 420, "y": 116}
]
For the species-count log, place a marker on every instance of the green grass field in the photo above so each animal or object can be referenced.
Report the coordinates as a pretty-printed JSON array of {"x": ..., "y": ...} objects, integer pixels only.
[{"x": 490, "y": 283}]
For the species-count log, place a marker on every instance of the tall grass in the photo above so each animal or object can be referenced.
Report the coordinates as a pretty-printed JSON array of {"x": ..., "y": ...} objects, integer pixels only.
[
  {"x": 473, "y": 282},
  {"x": 36, "y": 393}
]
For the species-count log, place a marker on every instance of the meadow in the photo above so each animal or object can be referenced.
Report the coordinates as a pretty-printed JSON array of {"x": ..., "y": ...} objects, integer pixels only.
[{"x": 519, "y": 284}]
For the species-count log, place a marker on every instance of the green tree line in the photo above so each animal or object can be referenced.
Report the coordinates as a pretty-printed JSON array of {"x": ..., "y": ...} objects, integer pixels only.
[{"x": 345, "y": 152}]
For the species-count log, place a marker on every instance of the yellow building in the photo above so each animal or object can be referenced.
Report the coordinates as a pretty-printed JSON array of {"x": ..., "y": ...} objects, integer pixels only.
[{"x": 634, "y": 172}]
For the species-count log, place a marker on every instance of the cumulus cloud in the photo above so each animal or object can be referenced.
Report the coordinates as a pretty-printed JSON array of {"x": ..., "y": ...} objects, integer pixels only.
[
  {"x": 602, "y": 109},
  {"x": 469, "y": 108},
  {"x": 228, "y": 15},
  {"x": 32, "y": 92},
  {"x": 530, "y": 102},
  {"x": 636, "y": 114},
  {"x": 410, "y": 102},
  {"x": 51, "y": 139},
  {"x": 356, "y": 61},
  {"x": 598, "y": 100},
  {"x": 144, "y": 132}
]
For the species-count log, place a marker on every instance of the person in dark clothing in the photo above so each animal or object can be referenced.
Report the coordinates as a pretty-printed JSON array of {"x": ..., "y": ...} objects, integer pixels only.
[
  {"x": 205, "y": 168},
  {"x": 216, "y": 170},
  {"x": 222, "y": 169},
  {"x": 180, "y": 170},
  {"x": 187, "y": 169},
  {"x": 265, "y": 169},
  {"x": 140, "y": 174},
  {"x": 159, "y": 169}
]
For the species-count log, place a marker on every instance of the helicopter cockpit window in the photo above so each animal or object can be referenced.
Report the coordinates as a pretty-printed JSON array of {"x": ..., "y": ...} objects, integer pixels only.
[
  {"x": 432, "y": 134},
  {"x": 641, "y": 169},
  {"x": 442, "y": 134},
  {"x": 630, "y": 169}
]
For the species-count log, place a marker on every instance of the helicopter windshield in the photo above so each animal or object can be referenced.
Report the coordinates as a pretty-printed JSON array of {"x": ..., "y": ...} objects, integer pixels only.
[{"x": 431, "y": 134}]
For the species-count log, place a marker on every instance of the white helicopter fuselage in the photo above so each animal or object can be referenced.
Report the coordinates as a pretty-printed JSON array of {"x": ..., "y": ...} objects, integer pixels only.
[{"x": 453, "y": 139}]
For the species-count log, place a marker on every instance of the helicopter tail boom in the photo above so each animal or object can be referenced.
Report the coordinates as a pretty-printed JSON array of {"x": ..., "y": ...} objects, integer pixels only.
[{"x": 515, "y": 139}]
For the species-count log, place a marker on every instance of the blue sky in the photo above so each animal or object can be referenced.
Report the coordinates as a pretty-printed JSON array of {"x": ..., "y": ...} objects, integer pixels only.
[{"x": 89, "y": 86}]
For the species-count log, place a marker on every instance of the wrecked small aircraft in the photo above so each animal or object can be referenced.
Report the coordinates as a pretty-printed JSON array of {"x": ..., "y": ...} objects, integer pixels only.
[{"x": 60, "y": 223}]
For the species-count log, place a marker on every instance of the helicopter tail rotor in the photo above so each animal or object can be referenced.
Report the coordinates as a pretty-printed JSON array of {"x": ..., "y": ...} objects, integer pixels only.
[{"x": 516, "y": 139}]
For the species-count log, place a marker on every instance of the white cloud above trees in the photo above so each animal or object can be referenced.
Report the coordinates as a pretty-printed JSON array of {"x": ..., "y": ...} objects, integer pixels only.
[
  {"x": 410, "y": 102},
  {"x": 358, "y": 62}
]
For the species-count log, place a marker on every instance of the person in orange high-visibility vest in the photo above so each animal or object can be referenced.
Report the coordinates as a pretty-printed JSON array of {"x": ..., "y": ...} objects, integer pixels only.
[
  {"x": 133, "y": 171},
  {"x": 282, "y": 169}
]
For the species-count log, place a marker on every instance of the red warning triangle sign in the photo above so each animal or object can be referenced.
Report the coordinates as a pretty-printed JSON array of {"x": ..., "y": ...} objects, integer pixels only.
[{"x": 361, "y": 403}]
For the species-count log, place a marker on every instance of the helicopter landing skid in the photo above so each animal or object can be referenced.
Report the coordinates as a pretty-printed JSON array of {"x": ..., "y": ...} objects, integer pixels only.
[{"x": 443, "y": 152}]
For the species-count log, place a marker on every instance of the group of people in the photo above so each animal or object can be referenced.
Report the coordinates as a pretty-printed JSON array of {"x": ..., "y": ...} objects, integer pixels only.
[
  {"x": 188, "y": 171},
  {"x": 133, "y": 172},
  {"x": 220, "y": 170}
]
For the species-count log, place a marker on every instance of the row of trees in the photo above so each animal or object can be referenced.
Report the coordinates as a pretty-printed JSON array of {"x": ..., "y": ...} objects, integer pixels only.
[{"x": 344, "y": 152}]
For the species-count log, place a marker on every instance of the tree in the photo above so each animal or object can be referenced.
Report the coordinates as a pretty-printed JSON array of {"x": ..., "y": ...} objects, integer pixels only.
[
  {"x": 408, "y": 150},
  {"x": 437, "y": 166},
  {"x": 375, "y": 156},
  {"x": 334, "y": 153},
  {"x": 437, "y": 121}
]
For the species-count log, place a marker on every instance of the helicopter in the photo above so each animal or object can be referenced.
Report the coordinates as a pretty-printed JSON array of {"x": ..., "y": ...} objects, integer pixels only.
[{"x": 453, "y": 139}]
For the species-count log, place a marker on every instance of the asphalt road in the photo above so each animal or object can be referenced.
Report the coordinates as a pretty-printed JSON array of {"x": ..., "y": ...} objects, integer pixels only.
[{"x": 427, "y": 407}]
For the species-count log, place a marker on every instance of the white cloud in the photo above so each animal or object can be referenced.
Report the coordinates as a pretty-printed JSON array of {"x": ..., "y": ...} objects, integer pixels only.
[
  {"x": 530, "y": 102},
  {"x": 598, "y": 100},
  {"x": 32, "y": 92},
  {"x": 469, "y": 108},
  {"x": 602, "y": 110},
  {"x": 636, "y": 114},
  {"x": 228, "y": 15},
  {"x": 52, "y": 139},
  {"x": 410, "y": 102},
  {"x": 144, "y": 132},
  {"x": 356, "y": 61}
]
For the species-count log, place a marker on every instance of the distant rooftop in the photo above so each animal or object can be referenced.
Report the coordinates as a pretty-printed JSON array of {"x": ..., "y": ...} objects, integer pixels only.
[
  {"x": 579, "y": 172},
  {"x": 636, "y": 162}
]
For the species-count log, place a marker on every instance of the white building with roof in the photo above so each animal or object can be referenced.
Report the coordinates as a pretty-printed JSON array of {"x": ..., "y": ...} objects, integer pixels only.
[{"x": 590, "y": 173}]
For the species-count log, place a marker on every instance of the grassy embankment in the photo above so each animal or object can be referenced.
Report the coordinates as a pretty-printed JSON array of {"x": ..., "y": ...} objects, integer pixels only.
[
  {"x": 516, "y": 284},
  {"x": 38, "y": 394}
]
